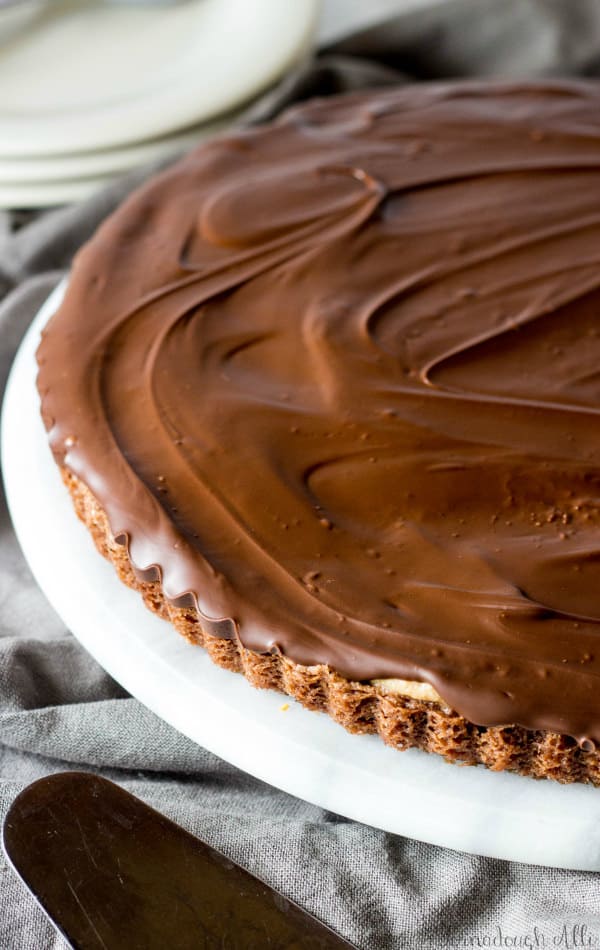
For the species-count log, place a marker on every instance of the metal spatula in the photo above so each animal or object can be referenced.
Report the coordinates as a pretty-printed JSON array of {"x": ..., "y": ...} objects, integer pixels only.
[{"x": 114, "y": 874}]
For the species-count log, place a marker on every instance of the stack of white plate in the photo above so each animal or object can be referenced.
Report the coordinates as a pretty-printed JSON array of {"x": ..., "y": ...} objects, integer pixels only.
[{"x": 90, "y": 89}]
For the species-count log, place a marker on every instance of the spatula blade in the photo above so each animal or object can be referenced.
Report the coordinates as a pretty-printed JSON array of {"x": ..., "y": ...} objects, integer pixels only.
[{"x": 114, "y": 874}]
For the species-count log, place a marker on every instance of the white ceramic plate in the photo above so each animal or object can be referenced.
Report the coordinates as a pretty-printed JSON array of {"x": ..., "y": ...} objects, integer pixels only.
[
  {"x": 38, "y": 183},
  {"x": 78, "y": 76},
  {"x": 61, "y": 169},
  {"x": 49, "y": 194},
  {"x": 305, "y": 753}
]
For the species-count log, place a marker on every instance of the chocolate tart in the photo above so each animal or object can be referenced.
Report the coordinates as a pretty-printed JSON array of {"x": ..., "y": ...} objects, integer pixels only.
[{"x": 326, "y": 392}]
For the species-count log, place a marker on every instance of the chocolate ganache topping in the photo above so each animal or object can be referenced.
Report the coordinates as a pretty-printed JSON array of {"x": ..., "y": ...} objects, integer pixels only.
[{"x": 337, "y": 380}]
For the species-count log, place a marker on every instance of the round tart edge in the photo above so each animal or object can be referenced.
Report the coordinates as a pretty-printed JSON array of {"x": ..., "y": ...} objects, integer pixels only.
[{"x": 405, "y": 714}]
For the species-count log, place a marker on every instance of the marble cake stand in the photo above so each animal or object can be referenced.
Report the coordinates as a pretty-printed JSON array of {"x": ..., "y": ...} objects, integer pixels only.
[{"x": 301, "y": 752}]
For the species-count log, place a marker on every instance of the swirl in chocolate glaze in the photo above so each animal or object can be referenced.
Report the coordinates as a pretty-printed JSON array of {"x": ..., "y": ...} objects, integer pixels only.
[{"x": 338, "y": 379}]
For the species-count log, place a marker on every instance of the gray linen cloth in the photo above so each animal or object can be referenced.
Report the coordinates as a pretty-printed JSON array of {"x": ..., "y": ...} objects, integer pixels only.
[{"x": 59, "y": 710}]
